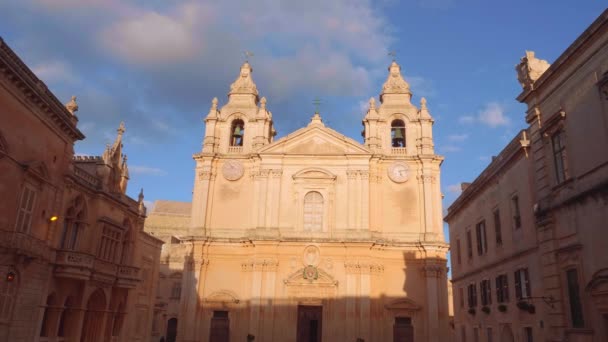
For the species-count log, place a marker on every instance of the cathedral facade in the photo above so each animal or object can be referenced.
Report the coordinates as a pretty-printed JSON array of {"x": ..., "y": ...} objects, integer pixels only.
[{"x": 311, "y": 237}]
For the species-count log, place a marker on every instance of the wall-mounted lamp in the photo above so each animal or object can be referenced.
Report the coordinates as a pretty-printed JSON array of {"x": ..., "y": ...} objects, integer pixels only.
[
  {"x": 53, "y": 218},
  {"x": 10, "y": 276}
]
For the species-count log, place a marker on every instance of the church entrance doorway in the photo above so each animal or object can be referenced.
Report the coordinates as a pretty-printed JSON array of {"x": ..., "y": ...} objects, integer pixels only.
[
  {"x": 171, "y": 330},
  {"x": 403, "y": 331},
  {"x": 220, "y": 327},
  {"x": 310, "y": 320}
]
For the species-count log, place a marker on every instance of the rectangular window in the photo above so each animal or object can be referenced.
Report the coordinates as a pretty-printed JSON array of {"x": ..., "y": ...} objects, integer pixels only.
[
  {"x": 490, "y": 336},
  {"x": 516, "y": 214},
  {"x": 472, "y": 300},
  {"x": 486, "y": 292},
  {"x": 482, "y": 242},
  {"x": 26, "y": 208},
  {"x": 475, "y": 334},
  {"x": 109, "y": 248},
  {"x": 461, "y": 295},
  {"x": 497, "y": 229},
  {"x": 469, "y": 245},
  {"x": 574, "y": 298},
  {"x": 458, "y": 256},
  {"x": 522, "y": 284},
  {"x": 528, "y": 334},
  {"x": 502, "y": 288},
  {"x": 559, "y": 156},
  {"x": 176, "y": 290}
]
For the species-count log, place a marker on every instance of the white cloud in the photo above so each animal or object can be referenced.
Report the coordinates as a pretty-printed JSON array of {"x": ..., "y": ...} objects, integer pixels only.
[
  {"x": 54, "y": 71},
  {"x": 146, "y": 170},
  {"x": 492, "y": 115},
  {"x": 153, "y": 38},
  {"x": 467, "y": 119},
  {"x": 454, "y": 189},
  {"x": 421, "y": 86},
  {"x": 458, "y": 137}
]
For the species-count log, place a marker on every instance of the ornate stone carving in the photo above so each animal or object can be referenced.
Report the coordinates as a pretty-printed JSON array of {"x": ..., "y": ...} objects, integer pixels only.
[
  {"x": 530, "y": 69},
  {"x": 433, "y": 271},
  {"x": 395, "y": 84},
  {"x": 311, "y": 255},
  {"x": 244, "y": 83},
  {"x": 364, "y": 174},
  {"x": 204, "y": 175},
  {"x": 72, "y": 106},
  {"x": 351, "y": 174},
  {"x": 233, "y": 170},
  {"x": 276, "y": 173}
]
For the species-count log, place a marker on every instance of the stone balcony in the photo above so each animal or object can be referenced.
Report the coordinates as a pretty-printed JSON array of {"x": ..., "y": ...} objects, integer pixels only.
[
  {"x": 25, "y": 245},
  {"x": 128, "y": 277},
  {"x": 400, "y": 151},
  {"x": 73, "y": 264},
  {"x": 84, "y": 266}
]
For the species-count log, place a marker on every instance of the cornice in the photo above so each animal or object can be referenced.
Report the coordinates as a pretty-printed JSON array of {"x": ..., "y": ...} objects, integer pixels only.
[
  {"x": 14, "y": 70},
  {"x": 499, "y": 164}
]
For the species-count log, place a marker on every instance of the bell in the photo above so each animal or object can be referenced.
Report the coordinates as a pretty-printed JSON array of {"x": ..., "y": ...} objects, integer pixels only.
[
  {"x": 398, "y": 134},
  {"x": 237, "y": 131}
]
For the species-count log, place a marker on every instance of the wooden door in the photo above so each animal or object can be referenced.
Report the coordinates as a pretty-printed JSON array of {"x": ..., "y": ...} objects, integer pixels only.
[
  {"x": 403, "y": 331},
  {"x": 310, "y": 319},
  {"x": 220, "y": 327}
]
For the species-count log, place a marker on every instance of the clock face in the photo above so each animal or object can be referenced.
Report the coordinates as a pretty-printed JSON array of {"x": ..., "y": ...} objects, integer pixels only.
[
  {"x": 398, "y": 172},
  {"x": 233, "y": 170}
]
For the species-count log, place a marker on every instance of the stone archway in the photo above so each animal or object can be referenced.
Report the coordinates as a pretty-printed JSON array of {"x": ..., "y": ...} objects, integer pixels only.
[
  {"x": 92, "y": 328},
  {"x": 507, "y": 334}
]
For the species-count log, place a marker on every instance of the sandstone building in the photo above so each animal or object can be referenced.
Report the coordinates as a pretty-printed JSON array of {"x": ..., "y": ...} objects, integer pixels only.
[
  {"x": 528, "y": 235},
  {"x": 75, "y": 263},
  {"x": 311, "y": 237}
]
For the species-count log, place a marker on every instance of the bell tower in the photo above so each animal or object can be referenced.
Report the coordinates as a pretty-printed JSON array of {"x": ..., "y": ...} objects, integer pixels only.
[
  {"x": 242, "y": 125},
  {"x": 397, "y": 127}
]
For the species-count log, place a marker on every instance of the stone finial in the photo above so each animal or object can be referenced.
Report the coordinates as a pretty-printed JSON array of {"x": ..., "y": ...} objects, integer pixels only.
[
  {"x": 140, "y": 202},
  {"x": 214, "y": 103},
  {"x": 263, "y": 103},
  {"x": 372, "y": 103},
  {"x": 244, "y": 82},
  {"x": 72, "y": 106},
  {"x": 316, "y": 120},
  {"x": 395, "y": 84},
  {"x": 530, "y": 69},
  {"x": 424, "y": 111}
]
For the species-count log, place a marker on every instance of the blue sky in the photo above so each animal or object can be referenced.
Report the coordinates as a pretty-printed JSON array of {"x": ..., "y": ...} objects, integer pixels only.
[{"x": 157, "y": 65}]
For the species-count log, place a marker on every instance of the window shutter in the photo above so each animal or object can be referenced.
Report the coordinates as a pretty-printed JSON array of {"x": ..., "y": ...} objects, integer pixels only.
[
  {"x": 518, "y": 284},
  {"x": 478, "y": 235},
  {"x": 498, "y": 290},
  {"x": 527, "y": 282}
]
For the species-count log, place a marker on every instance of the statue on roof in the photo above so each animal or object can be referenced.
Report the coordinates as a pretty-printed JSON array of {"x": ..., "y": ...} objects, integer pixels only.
[
  {"x": 72, "y": 106},
  {"x": 530, "y": 69}
]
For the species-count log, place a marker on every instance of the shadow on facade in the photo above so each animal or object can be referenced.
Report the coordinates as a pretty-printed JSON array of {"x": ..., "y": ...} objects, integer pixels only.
[{"x": 310, "y": 304}]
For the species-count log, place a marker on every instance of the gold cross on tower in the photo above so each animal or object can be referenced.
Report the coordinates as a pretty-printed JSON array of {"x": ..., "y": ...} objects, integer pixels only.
[{"x": 317, "y": 103}]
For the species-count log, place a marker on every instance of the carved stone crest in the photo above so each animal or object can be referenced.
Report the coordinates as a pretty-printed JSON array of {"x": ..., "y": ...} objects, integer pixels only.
[{"x": 530, "y": 69}]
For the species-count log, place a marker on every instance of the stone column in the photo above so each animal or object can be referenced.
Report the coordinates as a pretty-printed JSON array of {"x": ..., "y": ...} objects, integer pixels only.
[
  {"x": 256, "y": 295},
  {"x": 352, "y": 270},
  {"x": 200, "y": 196},
  {"x": 274, "y": 200},
  {"x": 364, "y": 302},
  {"x": 189, "y": 301},
  {"x": 431, "y": 276},
  {"x": 262, "y": 204},
  {"x": 351, "y": 176},
  {"x": 364, "y": 199},
  {"x": 270, "y": 275}
]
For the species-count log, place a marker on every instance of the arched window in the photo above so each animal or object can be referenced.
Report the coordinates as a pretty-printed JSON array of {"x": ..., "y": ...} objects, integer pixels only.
[
  {"x": 50, "y": 305},
  {"x": 127, "y": 244},
  {"x": 398, "y": 133},
  {"x": 313, "y": 211},
  {"x": 73, "y": 222},
  {"x": 237, "y": 132}
]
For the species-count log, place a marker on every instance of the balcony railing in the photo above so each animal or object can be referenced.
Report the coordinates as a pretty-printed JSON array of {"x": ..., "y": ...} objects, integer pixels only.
[
  {"x": 235, "y": 149},
  {"x": 25, "y": 244},
  {"x": 401, "y": 151},
  {"x": 128, "y": 276},
  {"x": 73, "y": 264}
]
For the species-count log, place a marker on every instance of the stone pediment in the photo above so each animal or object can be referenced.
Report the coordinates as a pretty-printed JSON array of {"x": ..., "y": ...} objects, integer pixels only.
[
  {"x": 320, "y": 278},
  {"x": 315, "y": 140},
  {"x": 404, "y": 304}
]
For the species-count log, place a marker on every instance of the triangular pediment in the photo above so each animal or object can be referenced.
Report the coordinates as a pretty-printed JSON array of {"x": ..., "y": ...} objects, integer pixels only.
[{"x": 315, "y": 140}]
